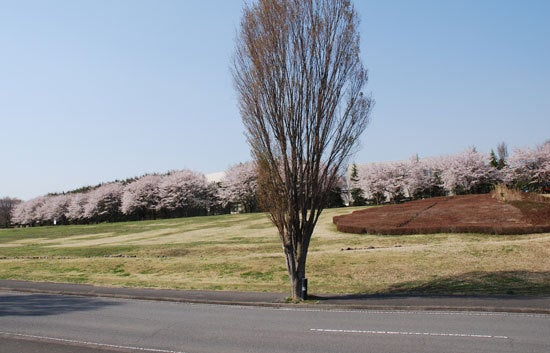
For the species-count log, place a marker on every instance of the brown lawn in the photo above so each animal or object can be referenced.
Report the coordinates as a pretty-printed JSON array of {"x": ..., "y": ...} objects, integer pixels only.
[{"x": 454, "y": 214}]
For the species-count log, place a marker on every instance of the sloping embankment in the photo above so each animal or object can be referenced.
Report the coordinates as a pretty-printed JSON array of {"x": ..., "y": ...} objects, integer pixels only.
[{"x": 455, "y": 214}]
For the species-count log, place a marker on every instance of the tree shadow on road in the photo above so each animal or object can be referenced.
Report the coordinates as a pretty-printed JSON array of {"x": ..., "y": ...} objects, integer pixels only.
[{"x": 43, "y": 304}]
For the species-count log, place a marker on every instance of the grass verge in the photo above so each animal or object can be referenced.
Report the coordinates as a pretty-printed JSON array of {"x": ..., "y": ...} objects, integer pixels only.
[{"x": 242, "y": 252}]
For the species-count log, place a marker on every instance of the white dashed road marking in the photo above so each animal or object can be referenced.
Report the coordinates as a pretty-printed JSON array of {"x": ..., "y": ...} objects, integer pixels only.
[{"x": 438, "y": 334}]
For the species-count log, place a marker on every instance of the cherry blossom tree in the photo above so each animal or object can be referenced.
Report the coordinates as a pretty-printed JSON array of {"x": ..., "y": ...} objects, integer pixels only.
[
  {"x": 467, "y": 172},
  {"x": 425, "y": 178},
  {"x": 29, "y": 212},
  {"x": 372, "y": 179},
  {"x": 396, "y": 180},
  {"x": 19, "y": 214},
  {"x": 416, "y": 177},
  {"x": 184, "y": 193},
  {"x": 77, "y": 206},
  {"x": 141, "y": 197},
  {"x": 240, "y": 186},
  {"x": 384, "y": 181},
  {"x": 55, "y": 209},
  {"x": 104, "y": 203},
  {"x": 529, "y": 168}
]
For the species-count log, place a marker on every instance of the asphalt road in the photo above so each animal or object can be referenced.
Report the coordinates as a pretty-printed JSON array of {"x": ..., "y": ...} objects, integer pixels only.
[{"x": 51, "y": 323}]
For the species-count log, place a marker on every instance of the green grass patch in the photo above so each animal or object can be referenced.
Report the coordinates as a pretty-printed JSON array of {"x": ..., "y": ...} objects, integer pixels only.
[
  {"x": 36, "y": 250},
  {"x": 120, "y": 271},
  {"x": 258, "y": 275}
]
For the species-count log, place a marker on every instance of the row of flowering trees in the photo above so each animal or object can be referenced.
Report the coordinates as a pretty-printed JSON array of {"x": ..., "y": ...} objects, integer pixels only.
[
  {"x": 467, "y": 172},
  {"x": 175, "y": 194},
  {"x": 188, "y": 193}
]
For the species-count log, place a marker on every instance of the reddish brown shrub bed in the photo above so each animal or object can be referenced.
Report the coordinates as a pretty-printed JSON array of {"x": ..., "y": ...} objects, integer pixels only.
[{"x": 454, "y": 214}]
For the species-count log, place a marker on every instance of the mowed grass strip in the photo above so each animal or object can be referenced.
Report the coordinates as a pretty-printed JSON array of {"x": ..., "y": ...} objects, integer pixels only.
[{"x": 243, "y": 252}]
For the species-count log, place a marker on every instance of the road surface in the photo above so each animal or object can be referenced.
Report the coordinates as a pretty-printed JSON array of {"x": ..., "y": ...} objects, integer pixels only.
[{"x": 60, "y": 324}]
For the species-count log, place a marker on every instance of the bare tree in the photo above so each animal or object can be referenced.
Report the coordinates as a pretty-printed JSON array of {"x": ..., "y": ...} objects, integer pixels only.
[
  {"x": 299, "y": 80},
  {"x": 502, "y": 150},
  {"x": 6, "y": 206}
]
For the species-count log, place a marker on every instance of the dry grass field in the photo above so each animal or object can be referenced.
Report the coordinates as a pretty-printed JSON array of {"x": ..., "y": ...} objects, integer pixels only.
[{"x": 242, "y": 252}]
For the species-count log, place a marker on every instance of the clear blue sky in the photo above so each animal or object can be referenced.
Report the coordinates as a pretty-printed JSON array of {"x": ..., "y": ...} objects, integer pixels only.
[{"x": 97, "y": 90}]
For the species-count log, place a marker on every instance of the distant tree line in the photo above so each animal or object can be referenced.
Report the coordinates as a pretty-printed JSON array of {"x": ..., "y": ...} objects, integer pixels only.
[
  {"x": 468, "y": 172},
  {"x": 187, "y": 193},
  {"x": 182, "y": 193}
]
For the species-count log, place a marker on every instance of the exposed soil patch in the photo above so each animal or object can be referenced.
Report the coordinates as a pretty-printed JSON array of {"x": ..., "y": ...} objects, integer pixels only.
[{"x": 454, "y": 214}]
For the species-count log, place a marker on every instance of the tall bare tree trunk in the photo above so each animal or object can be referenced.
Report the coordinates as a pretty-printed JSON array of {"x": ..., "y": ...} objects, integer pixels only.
[
  {"x": 296, "y": 266},
  {"x": 299, "y": 78}
]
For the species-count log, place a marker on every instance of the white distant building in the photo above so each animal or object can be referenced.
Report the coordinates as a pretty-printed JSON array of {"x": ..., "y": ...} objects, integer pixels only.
[{"x": 215, "y": 177}]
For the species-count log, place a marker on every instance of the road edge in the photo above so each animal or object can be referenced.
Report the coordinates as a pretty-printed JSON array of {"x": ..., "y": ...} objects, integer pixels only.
[{"x": 276, "y": 300}]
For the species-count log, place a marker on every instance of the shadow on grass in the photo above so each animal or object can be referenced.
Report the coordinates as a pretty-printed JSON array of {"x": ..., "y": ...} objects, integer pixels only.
[
  {"x": 483, "y": 284},
  {"x": 43, "y": 304}
]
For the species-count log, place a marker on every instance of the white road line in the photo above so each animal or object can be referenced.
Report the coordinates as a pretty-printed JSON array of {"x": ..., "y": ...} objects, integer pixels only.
[
  {"x": 408, "y": 333},
  {"x": 409, "y": 312},
  {"x": 86, "y": 343}
]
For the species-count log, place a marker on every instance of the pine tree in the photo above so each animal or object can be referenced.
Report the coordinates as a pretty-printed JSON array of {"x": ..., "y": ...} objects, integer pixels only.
[{"x": 357, "y": 194}]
